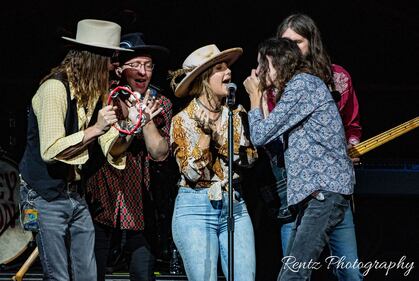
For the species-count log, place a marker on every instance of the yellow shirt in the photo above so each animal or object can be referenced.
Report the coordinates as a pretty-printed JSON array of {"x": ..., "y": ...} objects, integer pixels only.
[{"x": 50, "y": 107}]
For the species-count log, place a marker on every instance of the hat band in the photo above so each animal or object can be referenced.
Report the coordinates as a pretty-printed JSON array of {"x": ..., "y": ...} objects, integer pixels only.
[
  {"x": 125, "y": 44},
  {"x": 175, "y": 74}
]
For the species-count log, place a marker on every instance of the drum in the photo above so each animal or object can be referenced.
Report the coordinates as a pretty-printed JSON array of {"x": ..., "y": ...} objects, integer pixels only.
[
  {"x": 9, "y": 193},
  {"x": 13, "y": 239},
  {"x": 13, "y": 242}
]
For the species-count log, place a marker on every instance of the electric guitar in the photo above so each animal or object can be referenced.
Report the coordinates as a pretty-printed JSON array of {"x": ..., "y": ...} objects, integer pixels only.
[
  {"x": 284, "y": 215},
  {"x": 365, "y": 146}
]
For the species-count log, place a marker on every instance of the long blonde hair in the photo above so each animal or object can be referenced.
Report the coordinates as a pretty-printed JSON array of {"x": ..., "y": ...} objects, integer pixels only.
[{"x": 88, "y": 74}]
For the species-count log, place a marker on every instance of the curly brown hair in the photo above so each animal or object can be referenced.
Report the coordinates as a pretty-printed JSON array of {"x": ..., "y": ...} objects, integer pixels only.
[
  {"x": 87, "y": 73},
  {"x": 286, "y": 58}
]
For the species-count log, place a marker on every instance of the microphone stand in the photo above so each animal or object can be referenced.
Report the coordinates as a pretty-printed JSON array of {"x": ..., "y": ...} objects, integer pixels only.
[{"x": 230, "y": 218}]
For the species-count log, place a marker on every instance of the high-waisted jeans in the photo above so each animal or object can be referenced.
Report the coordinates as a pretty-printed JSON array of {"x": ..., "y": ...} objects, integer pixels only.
[{"x": 200, "y": 232}]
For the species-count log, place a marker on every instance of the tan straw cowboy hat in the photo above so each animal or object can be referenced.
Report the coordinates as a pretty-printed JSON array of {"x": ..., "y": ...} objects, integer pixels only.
[
  {"x": 202, "y": 59},
  {"x": 98, "y": 33}
]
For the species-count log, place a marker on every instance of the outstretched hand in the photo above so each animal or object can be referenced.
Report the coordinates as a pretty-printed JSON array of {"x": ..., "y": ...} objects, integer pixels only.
[
  {"x": 150, "y": 107},
  {"x": 209, "y": 127},
  {"x": 203, "y": 121}
]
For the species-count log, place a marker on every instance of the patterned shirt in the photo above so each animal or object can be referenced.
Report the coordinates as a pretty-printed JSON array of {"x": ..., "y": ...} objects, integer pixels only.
[
  {"x": 117, "y": 195},
  {"x": 315, "y": 151},
  {"x": 209, "y": 167},
  {"x": 50, "y": 107},
  {"x": 348, "y": 104}
]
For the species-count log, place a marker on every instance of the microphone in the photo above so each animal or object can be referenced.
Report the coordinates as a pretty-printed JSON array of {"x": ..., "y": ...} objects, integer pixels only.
[
  {"x": 232, "y": 88},
  {"x": 231, "y": 99}
]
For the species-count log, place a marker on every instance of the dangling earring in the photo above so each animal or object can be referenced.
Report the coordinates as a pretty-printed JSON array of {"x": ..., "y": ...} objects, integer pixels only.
[{"x": 119, "y": 71}]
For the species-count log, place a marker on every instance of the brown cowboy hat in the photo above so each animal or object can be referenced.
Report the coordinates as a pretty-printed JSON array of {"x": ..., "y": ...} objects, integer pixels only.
[{"x": 202, "y": 59}]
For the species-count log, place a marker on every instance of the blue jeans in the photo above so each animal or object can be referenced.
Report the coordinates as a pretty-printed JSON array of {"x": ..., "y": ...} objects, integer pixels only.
[
  {"x": 316, "y": 220},
  {"x": 200, "y": 232},
  {"x": 342, "y": 244},
  {"x": 66, "y": 237}
]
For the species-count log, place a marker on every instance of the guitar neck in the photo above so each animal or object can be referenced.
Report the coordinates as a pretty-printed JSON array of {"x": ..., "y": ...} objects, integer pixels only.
[{"x": 382, "y": 138}]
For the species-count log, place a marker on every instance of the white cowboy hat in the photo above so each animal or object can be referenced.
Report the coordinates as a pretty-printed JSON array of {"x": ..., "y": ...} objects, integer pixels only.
[
  {"x": 98, "y": 33},
  {"x": 202, "y": 59}
]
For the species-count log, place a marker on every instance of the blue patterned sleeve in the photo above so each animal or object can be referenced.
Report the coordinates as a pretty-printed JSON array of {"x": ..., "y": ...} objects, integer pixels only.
[{"x": 301, "y": 97}]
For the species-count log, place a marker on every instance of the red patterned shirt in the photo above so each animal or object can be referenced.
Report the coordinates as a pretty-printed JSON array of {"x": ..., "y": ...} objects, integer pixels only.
[
  {"x": 117, "y": 195},
  {"x": 348, "y": 104}
]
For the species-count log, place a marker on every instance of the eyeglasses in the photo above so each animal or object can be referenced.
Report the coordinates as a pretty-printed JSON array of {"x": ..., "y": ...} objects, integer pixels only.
[{"x": 149, "y": 66}]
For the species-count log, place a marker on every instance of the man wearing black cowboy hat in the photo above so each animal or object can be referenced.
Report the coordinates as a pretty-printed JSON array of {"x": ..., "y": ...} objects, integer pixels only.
[{"x": 120, "y": 195}]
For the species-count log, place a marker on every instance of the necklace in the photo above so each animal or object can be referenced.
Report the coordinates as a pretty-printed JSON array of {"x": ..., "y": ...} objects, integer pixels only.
[
  {"x": 215, "y": 119},
  {"x": 207, "y": 108}
]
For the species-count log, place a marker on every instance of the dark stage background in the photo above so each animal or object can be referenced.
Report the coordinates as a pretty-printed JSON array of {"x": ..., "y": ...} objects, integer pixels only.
[{"x": 376, "y": 42}]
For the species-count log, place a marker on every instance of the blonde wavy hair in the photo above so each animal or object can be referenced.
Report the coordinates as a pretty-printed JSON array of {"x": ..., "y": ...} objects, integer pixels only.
[{"x": 88, "y": 74}]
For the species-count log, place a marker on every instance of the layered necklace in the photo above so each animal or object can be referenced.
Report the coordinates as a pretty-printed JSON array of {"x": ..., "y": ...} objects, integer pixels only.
[
  {"x": 218, "y": 110},
  {"x": 207, "y": 108}
]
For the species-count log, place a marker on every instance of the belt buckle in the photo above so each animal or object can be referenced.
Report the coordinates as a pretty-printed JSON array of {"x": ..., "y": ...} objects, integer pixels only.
[
  {"x": 318, "y": 195},
  {"x": 72, "y": 186}
]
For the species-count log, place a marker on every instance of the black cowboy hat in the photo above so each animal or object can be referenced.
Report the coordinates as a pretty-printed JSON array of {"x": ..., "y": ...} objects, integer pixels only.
[{"x": 135, "y": 41}]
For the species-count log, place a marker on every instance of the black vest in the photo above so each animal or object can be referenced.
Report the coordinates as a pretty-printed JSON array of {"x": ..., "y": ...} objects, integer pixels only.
[{"x": 47, "y": 179}]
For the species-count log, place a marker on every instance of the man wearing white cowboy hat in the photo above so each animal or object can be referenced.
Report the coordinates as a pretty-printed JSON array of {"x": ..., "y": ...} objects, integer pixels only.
[
  {"x": 124, "y": 192},
  {"x": 199, "y": 142},
  {"x": 66, "y": 115}
]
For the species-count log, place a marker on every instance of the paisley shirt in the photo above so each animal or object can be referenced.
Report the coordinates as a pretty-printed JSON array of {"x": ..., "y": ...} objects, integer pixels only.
[
  {"x": 315, "y": 151},
  {"x": 209, "y": 167},
  {"x": 348, "y": 104}
]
